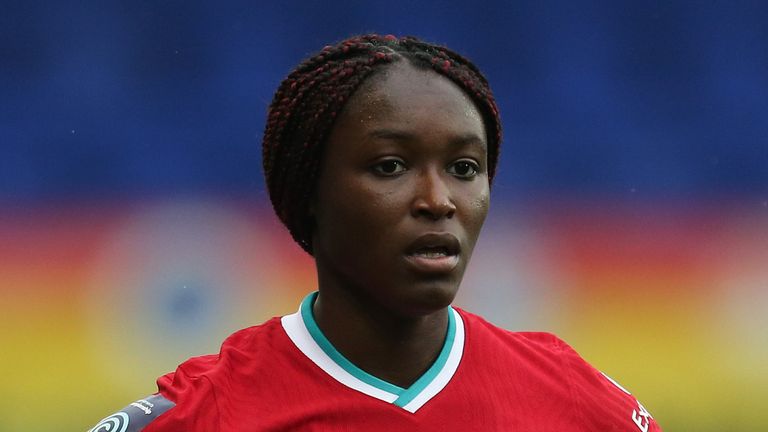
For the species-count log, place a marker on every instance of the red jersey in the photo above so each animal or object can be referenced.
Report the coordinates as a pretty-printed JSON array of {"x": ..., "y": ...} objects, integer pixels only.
[{"x": 284, "y": 375}]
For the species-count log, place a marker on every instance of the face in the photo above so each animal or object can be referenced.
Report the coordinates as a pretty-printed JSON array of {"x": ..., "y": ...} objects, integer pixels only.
[{"x": 402, "y": 194}]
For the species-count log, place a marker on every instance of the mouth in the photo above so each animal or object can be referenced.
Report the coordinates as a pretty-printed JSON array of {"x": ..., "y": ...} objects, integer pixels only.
[{"x": 434, "y": 253}]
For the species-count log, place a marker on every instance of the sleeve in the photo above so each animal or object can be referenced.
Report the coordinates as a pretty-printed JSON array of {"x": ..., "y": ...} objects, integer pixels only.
[
  {"x": 185, "y": 402},
  {"x": 603, "y": 404},
  {"x": 196, "y": 408},
  {"x": 136, "y": 416}
]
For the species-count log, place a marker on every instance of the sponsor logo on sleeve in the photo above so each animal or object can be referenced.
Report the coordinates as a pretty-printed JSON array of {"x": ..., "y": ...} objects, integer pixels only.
[
  {"x": 117, "y": 422},
  {"x": 144, "y": 405},
  {"x": 135, "y": 416}
]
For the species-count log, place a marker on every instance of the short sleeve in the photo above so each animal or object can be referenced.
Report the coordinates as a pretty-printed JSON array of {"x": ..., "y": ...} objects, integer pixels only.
[
  {"x": 195, "y": 403},
  {"x": 136, "y": 416},
  {"x": 602, "y": 403}
]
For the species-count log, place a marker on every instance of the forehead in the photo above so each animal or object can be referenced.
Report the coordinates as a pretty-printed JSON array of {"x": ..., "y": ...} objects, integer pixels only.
[{"x": 407, "y": 97}]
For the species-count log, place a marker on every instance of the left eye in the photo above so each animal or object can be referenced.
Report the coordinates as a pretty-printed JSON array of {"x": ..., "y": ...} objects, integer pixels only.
[{"x": 464, "y": 169}]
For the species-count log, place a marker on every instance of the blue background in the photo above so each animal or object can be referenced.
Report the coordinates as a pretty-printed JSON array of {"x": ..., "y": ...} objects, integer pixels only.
[{"x": 625, "y": 100}]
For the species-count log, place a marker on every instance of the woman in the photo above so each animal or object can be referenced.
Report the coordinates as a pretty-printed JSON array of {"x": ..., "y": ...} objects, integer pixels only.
[{"x": 378, "y": 155}]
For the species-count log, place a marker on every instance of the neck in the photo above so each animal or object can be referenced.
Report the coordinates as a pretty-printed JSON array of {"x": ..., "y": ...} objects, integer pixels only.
[{"x": 395, "y": 348}]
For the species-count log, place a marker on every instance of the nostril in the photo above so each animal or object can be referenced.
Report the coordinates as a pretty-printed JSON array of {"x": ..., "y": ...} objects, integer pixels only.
[{"x": 435, "y": 209}]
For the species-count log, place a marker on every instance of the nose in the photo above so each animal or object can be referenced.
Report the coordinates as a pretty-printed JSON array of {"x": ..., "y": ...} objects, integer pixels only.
[{"x": 433, "y": 198}]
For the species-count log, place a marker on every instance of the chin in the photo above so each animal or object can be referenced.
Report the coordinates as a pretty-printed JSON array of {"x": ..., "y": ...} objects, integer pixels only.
[{"x": 430, "y": 296}]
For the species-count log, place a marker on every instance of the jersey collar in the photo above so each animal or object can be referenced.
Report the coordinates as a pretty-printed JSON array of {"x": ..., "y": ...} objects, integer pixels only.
[{"x": 310, "y": 340}]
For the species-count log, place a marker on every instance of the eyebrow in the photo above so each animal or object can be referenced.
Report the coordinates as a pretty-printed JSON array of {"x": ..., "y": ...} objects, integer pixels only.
[{"x": 400, "y": 135}]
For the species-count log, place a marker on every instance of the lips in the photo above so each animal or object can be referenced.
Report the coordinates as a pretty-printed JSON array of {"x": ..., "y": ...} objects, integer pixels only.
[{"x": 434, "y": 253}]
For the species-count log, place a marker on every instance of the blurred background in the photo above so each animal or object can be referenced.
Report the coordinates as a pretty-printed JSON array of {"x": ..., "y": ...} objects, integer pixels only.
[{"x": 629, "y": 216}]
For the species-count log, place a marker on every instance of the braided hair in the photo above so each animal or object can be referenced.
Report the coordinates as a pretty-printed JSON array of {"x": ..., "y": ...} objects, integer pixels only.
[{"x": 308, "y": 101}]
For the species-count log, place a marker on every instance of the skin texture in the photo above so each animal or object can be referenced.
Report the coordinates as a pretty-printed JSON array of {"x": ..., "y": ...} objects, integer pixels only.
[{"x": 406, "y": 157}]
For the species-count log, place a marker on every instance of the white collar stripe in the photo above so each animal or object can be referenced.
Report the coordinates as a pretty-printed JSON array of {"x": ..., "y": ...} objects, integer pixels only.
[
  {"x": 446, "y": 373},
  {"x": 417, "y": 387},
  {"x": 298, "y": 333},
  {"x": 309, "y": 339},
  {"x": 337, "y": 357}
]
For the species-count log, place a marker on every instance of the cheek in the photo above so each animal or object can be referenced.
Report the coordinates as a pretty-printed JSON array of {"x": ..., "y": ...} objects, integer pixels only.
[
  {"x": 477, "y": 210},
  {"x": 481, "y": 196},
  {"x": 482, "y": 203},
  {"x": 355, "y": 213},
  {"x": 365, "y": 206}
]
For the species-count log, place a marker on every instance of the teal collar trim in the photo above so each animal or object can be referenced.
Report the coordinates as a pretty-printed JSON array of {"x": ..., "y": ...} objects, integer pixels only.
[{"x": 404, "y": 396}]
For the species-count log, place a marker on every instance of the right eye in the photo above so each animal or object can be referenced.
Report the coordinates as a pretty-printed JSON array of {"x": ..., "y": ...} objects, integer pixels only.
[{"x": 389, "y": 167}]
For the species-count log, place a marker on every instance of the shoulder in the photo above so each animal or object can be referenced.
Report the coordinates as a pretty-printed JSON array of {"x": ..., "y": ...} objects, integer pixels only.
[
  {"x": 482, "y": 331},
  {"x": 136, "y": 416},
  {"x": 239, "y": 351},
  {"x": 186, "y": 398},
  {"x": 538, "y": 356},
  {"x": 601, "y": 402},
  {"x": 240, "y": 346}
]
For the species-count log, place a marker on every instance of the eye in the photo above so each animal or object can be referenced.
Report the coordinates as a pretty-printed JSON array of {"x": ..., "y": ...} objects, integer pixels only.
[
  {"x": 389, "y": 167},
  {"x": 465, "y": 169}
]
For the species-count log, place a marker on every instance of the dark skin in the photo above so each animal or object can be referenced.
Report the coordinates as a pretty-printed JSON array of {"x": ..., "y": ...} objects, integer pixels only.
[{"x": 402, "y": 195}]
